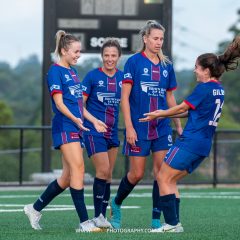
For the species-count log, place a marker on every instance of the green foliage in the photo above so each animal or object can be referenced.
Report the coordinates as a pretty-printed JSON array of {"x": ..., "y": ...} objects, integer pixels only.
[{"x": 6, "y": 116}]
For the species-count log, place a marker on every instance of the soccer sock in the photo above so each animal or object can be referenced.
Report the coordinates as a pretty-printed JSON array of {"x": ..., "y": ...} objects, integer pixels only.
[
  {"x": 52, "y": 190},
  {"x": 156, "y": 212},
  {"x": 78, "y": 200},
  {"x": 168, "y": 207},
  {"x": 124, "y": 189},
  {"x": 99, "y": 186},
  {"x": 177, "y": 208},
  {"x": 106, "y": 199}
]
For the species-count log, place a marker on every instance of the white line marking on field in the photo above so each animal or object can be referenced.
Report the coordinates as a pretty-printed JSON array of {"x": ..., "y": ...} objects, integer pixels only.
[{"x": 54, "y": 207}]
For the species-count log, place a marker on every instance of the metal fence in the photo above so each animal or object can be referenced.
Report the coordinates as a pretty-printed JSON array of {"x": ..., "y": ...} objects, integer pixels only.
[{"x": 21, "y": 158}]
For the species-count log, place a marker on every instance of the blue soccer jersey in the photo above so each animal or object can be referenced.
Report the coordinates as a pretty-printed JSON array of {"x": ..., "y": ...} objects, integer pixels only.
[
  {"x": 150, "y": 83},
  {"x": 65, "y": 81},
  {"x": 104, "y": 94},
  {"x": 206, "y": 102}
]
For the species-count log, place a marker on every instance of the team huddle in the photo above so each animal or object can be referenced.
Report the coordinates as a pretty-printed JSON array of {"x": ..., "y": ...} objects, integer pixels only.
[{"x": 86, "y": 116}]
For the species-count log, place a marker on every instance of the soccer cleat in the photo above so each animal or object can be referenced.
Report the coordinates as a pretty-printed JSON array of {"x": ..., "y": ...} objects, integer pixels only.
[
  {"x": 33, "y": 215},
  {"x": 88, "y": 226},
  {"x": 155, "y": 223},
  {"x": 115, "y": 214},
  {"x": 101, "y": 222},
  {"x": 169, "y": 228}
]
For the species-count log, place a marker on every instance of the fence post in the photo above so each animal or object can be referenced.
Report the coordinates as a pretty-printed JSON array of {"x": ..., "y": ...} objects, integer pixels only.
[
  {"x": 21, "y": 157},
  {"x": 215, "y": 160}
]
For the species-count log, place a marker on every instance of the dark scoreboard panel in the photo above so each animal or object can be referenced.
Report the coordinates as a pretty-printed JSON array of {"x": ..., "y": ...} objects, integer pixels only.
[{"x": 94, "y": 20}]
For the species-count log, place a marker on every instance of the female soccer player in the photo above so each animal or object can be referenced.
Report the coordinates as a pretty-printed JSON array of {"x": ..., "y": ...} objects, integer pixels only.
[
  {"x": 204, "y": 106},
  {"x": 149, "y": 81},
  {"x": 102, "y": 93},
  {"x": 67, "y": 126}
]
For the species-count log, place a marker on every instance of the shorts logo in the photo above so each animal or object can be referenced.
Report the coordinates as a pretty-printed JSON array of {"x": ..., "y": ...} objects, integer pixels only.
[
  {"x": 74, "y": 135},
  {"x": 84, "y": 88},
  {"x": 120, "y": 84},
  {"x": 169, "y": 138},
  {"x": 165, "y": 73},
  {"x": 135, "y": 149}
]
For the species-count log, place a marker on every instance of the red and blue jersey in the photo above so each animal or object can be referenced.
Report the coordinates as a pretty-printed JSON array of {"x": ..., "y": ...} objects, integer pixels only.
[
  {"x": 150, "y": 83},
  {"x": 65, "y": 81},
  {"x": 206, "y": 102},
  {"x": 104, "y": 94}
]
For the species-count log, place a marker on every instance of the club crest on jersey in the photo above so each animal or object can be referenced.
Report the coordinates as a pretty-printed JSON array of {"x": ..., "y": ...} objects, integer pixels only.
[
  {"x": 101, "y": 83},
  {"x": 165, "y": 73},
  {"x": 145, "y": 72},
  {"x": 67, "y": 77}
]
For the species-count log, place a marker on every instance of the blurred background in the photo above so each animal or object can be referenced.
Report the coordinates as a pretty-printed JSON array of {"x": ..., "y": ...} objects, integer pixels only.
[{"x": 197, "y": 27}]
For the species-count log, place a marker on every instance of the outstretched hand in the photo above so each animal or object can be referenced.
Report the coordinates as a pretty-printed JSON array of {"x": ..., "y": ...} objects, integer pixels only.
[
  {"x": 100, "y": 126},
  {"x": 150, "y": 116}
]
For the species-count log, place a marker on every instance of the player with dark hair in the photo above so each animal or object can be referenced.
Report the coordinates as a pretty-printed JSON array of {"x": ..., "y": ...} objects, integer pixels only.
[
  {"x": 149, "y": 81},
  {"x": 203, "y": 107},
  {"x": 102, "y": 93},
  {"x": 67, "y": 126}
]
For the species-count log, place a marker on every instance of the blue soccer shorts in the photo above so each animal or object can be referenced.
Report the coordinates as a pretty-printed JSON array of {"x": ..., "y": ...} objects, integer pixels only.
[
  {"x": 96, "y": 144},
  {"x": 66, "y": 137},
  {"x": 181, "y": 159},
  {"x": 143, "y": 147}
]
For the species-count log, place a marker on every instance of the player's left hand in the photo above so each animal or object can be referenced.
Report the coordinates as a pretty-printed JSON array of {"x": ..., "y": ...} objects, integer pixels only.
[
  {"x": 100, "y": 126},
  {"x": 150, "y": 116}
]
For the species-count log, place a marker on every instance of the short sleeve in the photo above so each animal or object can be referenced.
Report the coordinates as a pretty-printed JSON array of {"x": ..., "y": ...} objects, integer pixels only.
[
  {"x": 54, "y": 81},
  {"x": 197, "y": 96},
  {"x": 172, "y": 79},
  {"x": 128, "y": 72}
]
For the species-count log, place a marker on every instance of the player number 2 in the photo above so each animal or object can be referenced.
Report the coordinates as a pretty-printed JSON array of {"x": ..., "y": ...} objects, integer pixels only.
[{"x": 217, "y": 113}]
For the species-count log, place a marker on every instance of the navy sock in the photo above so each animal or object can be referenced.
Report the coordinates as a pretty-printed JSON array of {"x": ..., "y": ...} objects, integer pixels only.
[
  {"x": 177, "y": 208},
  {"x": 168, "y": 207},
  {"x": 156, "y": 212},
  {"x": 124, "y": 189},
  {"x": 78, "y": 200},
  {"x": 106, "y": 199},
  {"x": 99, "y": 186},
  {"x": 52, "y": 190}
]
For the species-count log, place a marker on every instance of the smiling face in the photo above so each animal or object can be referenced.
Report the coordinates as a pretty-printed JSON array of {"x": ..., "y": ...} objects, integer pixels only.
[
  {"x": 154, "y": 40},
  {"x": 71, "y": 55},
  {"x": 110, "y": 57},
  {"x": 202, "y": 74}
]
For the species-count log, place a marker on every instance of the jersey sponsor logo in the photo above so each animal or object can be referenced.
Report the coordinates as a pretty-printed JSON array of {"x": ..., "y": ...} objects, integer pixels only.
[
  {"x": 108, "y": 99},
  {"x": 135, "y": 149},
  {"x": 54, "y": 86},
  {"x": 100, "y": 83},
  {"x": 152, "y": 89},
  {"x": 165, "y": 73},
  {"x": 67, "y": 77},
  {"x": 76, "y": 90},
  {"x": 74, "y": 135},
  {"x": 145, "y": 72},
  {"x": 127, "y": 75}
]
